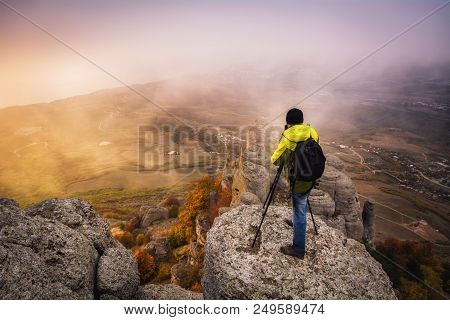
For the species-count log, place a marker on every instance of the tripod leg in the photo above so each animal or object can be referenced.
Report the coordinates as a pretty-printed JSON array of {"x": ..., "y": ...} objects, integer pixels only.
[
  {"x": 274, "y": 184},
  {"x": 269, "y": 200},
  {"x": 312, "y": 217}
]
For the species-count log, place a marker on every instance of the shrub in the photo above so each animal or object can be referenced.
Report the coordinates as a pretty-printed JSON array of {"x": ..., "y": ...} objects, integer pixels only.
[
  {"x": 180, "y": 252},
  {"x": 124, "y": 237},
  {"x": 133, "y": 223},
  {"x": 139, "y": 239},
  {"x": 173, "y": 211},
  {"x": 223, "y": 200},
  {"x": 418, "y": 259},
  {"x": 197, "y": 201},
  {"x": 164, "y": 272},
  {"x": 177, "y": 239},
  {"x": 197, "y": 287},
  {"x": 146, "y": 264},
  {"x": 171, "y": 201}
]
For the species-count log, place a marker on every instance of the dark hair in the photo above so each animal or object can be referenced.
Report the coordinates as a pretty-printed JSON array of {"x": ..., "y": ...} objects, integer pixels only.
[{"x": 294, "y": 116}]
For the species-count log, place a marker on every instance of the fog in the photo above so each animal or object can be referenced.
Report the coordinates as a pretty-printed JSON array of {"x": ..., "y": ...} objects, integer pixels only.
[{"x": 145, "y": 41}]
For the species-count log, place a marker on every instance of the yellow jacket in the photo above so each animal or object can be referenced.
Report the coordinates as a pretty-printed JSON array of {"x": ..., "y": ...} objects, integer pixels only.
[{"x": 284, "y": 152}]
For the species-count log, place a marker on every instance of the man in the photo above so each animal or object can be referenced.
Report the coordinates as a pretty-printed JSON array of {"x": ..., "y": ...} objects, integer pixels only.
[{"x": 296, "y": 131}]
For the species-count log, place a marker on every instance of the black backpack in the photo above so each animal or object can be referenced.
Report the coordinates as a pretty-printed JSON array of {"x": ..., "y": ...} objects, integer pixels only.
[{"x": 309, "y": 162}]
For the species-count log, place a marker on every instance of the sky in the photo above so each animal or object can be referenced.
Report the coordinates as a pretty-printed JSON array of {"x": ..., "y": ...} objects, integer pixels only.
[{"x": 143, "y": 41}]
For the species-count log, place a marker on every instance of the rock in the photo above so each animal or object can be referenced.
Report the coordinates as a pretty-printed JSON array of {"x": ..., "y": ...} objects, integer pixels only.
[
  {"x": 368, "y": 216},
  {"x": 166, "y": 292},
  {"x": 118, "y": 275},
  {"x": 250, "y": 177},
  {"x": 183, "y": 274},
  {"x": 77, "y": 215},
  {"x": 347, "y": 205},
  {"x": 202, "y": 225},
  {"x": 160, "y": 249},
  {"x": 334, "y": 267},
  {"x": 249, "y": 198},
  {"x": 322, "y": 204},
  {"x": 152, "y": 214},
  {"x": 255, "y": 153},
  {"x": 335, "y": 162},
  {"x": 340, "y": 190},
  {"x": 222, "y": 210},
  {"x": 196, "y": 253},
  {"x": 53, "y": 251}
]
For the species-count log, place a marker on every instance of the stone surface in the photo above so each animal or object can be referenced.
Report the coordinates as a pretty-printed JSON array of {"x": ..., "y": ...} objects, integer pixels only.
[
  {"x": 222, "y": 210},
  {"x": 183, "y": 273},
  {"x": 160, "y": 249},
  {"x": 151, "y": 214},
  {"x": 368, "y": 216},
  {"x": 335, "y": 186},
  {"x": 334, "y": 267},
  {"x": 251, "y": 173},
  {"x": 117, "y": 274},
  {"x": 53, "y": 251},
  {"x": 249, "y": 198},
  {"x": 166, "y": 292}
]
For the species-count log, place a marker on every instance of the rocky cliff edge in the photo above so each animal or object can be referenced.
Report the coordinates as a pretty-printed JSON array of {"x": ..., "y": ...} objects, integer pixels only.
[{"x": 335, "y": 267}]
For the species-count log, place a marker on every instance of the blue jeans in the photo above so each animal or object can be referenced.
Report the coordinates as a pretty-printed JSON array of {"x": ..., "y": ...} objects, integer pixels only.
[{"x": 300, "y": 207}]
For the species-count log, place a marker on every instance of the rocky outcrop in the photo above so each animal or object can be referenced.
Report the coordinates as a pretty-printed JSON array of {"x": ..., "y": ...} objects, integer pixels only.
[
  {"x": 336, "y": 187},
  {"x": 166, "y": 292},
  {"x": 251, "y": 174},
  {"x": 368, "y": 216},
  {"x": 250, "y": 177},
  {"x": 334, "y": 267},
  {"x": 151, "y": 214},
  {"x": 61, "y": 249}
]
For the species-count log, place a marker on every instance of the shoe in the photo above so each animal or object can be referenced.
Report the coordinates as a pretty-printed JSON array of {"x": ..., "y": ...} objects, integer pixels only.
[
  {"x": 288, "y": 222},
  {"x": 290, "y": 251}
]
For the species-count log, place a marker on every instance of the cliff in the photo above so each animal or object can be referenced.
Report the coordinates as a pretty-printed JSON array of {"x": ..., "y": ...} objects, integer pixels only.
[{"x": 335, "y": 267}]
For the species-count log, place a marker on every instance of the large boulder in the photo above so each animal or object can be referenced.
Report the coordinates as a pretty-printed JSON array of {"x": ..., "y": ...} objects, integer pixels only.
[
  {"x": 166, "y": 292},
  {"x": 151, "y": 214},
  {"x": 334, "y": 267},
  {"x": 61, "y": 249},
  {"x": 112, "y": 284}
]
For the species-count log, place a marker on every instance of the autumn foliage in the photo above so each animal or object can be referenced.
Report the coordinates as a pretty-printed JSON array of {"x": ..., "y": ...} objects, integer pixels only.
[
  {"x": 422, "y": 264},
  {"x": 223, "y": 200},
  {"x": 197, "y": 201},
  {"x": 146, "y": 264},
  {"x": 123, "y": 236}
]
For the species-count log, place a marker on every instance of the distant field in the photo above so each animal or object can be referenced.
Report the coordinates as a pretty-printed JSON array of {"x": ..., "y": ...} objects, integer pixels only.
[
  {"x": 91, "y": 142},
  {"x": 396, "y": 206}
]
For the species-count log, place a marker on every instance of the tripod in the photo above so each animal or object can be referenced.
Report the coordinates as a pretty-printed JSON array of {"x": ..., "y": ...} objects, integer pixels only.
[{"x": 268, "y": 201}]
